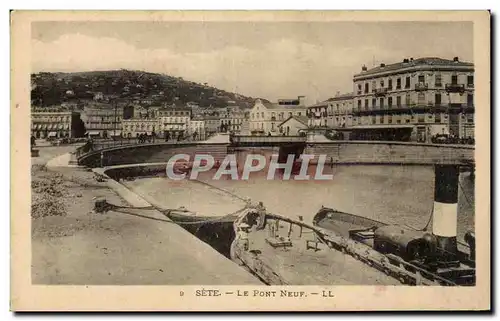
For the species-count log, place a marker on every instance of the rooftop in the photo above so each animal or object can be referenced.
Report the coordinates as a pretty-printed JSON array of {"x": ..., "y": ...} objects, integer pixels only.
[
  {"x": 336, "y": 98},
  {"x": 301, "y": 119},
  {"x": 276, "y": 106},
  {"x": 425, "y": 61}
]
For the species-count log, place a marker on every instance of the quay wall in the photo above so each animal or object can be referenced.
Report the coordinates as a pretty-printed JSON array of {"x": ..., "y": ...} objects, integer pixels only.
[
  {"x": 397, "y": 153},
  {"x": 340, "y": 152},
  {"x": 187, "y": 259}
]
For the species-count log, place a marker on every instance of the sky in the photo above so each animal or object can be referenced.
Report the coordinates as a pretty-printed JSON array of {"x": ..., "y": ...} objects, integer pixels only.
[{"x": 271, "y": 60}]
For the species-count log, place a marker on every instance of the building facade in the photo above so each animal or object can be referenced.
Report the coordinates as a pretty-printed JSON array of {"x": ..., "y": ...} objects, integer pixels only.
[
  {"x": 174, "y": 121},
  {"x": 233, "y": 121},
  {"x": 103, "y": 121},
  {"x": 53, "y": 123},
  {"x": 336, "y": 112},
  {"x": 197, "y": 129},
  {"x": 429, "y": 95},
  {"x": 133, "y": 127},
  {"x": 212, "y": 124},
  {"x": 265, "y": 117},
  {"x": 294, "y": 126}
]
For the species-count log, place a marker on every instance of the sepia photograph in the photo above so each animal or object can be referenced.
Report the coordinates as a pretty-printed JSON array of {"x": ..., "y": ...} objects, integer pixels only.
[{"x": 230, "y": 156}]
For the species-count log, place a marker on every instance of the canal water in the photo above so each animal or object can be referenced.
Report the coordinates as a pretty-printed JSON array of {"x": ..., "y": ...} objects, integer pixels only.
[{"x": 388, "y": 193}]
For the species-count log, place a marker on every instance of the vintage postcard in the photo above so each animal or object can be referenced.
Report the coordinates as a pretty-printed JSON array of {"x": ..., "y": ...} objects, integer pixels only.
[{"x": 250, "y": 161}]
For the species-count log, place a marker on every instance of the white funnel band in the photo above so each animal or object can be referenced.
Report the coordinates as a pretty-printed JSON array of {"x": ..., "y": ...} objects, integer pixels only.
[{"x": 444, "y": 219}]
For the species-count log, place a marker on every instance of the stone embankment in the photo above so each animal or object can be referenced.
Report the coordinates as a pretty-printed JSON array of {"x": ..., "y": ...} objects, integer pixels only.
[{"x": 124, "y": 246}]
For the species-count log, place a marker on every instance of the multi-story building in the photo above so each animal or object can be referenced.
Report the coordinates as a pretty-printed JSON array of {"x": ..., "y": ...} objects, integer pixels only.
[
  {"x": 212, "y": 124},
  {"x": 340, "y": 112},
  {"x": 265, "y": 117},
  {"x": 54, "y": 123},
  {"x": 135, "y": 126},
  {"x": 197, "y": 129},
  {"x": 103, "y": 121},
  {"x": 418, "y": 97},
  {"x": 335, "y": 112},
  {"x": 174, "y": 121},
  {"x": 233, "y": 120}
]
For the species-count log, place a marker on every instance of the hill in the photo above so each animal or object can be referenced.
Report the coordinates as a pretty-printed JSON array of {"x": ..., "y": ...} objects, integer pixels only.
[{"x": 49, "y": 89}]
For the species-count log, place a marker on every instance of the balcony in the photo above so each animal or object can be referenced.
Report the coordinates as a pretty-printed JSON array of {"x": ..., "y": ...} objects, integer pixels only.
[
  {"x": 423, "y": 104},
  {"x": 381, "y": 91},
  {"x": 421, "y": 86},
  {"x": 455, "y": 88}
]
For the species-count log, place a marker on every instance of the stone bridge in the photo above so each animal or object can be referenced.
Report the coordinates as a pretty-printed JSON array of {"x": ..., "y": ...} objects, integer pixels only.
[{"x": 339, "y": 152}]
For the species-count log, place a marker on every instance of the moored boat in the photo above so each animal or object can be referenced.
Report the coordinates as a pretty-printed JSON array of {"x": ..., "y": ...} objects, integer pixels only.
[{"x": 433, "y": 255}]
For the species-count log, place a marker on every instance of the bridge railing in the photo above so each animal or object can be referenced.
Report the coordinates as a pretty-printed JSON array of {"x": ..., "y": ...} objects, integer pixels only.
[
  {"x": 267, "y": 139},
  {"x": 97, "y": 145}
]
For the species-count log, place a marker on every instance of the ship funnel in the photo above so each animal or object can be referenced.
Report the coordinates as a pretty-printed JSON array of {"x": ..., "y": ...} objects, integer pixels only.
[{"x": 444, "y": 222}]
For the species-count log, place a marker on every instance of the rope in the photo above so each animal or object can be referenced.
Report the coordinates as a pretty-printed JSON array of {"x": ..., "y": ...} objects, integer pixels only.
[
  {"x": 424, "y": 229},
  {"x": 218, "y": 219},
  {"x": 223, "y": 190},
  {"x": 166, "y": 212}
]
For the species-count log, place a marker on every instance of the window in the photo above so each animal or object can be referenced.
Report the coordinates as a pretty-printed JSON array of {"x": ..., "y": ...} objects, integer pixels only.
[
  {"x": 408, "y": 99},
  {"x": 437, "y": 99},
  {"x": 398, "y": 83},
  {"x": 454, "y": 79},
  {"x": 389, "y": 85},
  {"x": 374, "y": 102},
  {"x": 367, "y": 88},
  {"x": 407, "y": 82},
  {"x": 421, "y": 79},
  {"x": 389, "y": 102},
  {"x": 374, "y": 86},
  {"x": 373, "y": 119},
  {"x": 359, "y": 104},
  {"x": 262, "y": 114},
  {"x": 437, "y": 118},
  {"x": 421, "y": 118},
  {"x": 398, "y": 101},
  {"x": 381, "y": 84},
  {"x": 421, "y": 98},
  {"x": 470, "y": 81},
  {"x": 381, "y": 103},
  {"x": 359, "y": 88},
  {"x": 299, "y": 113},
  {"x": 470, "y": 100},
  {"x": 389, "y": 119},
  {"x": 366, "y": 104}
]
